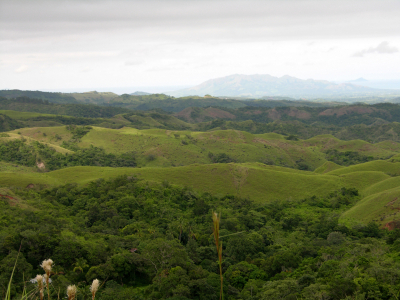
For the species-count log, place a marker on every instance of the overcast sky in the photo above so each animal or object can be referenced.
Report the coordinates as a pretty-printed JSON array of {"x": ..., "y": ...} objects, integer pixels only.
[{"x": 83, "y": 44}]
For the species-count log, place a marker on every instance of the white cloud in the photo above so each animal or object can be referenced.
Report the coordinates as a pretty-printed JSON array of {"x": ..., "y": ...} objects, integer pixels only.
[{"x": 382, "y": 48}]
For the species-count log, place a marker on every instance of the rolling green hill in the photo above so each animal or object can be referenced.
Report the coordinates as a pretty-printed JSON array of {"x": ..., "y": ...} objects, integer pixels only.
[
  {"x": 248, "y": 165},
  {"x": 261, "y": 166},
  {"x": 163, "y": 148},
  {"x": 258, "y": 182},
  {"x": 381, "y": 208}
]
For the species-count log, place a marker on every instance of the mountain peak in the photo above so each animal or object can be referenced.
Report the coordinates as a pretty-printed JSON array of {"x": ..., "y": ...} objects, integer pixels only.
[{"x": 359, "y": 80}]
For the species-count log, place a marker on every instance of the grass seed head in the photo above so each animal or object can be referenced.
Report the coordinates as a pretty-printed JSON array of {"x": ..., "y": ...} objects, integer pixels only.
[
  {"x": 39, "y": 280},
  {"x": 95, "y": 287},
  {"x": 46, "y": 265},
  {"x": 71, "y": 292}
]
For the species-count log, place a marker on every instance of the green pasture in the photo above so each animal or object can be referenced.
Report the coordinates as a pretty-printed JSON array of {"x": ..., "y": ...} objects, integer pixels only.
[
  {"x": 327, "y": 167},
  {"x": 377, "y": 165},
  {"x": 247, "y": 180},
  {"x": 10, "y": 167},
  {"x": 381, "y": 208},
  {"x": 387, "y": 184},
  {"x": 168, "y": 148}
]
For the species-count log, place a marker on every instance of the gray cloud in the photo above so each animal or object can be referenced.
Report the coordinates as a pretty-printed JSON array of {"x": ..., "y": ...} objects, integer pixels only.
[
  {"x": 76, "y": 43},
  {"x": 187, "y": 20},
  {"x": 382, "y": 48}
]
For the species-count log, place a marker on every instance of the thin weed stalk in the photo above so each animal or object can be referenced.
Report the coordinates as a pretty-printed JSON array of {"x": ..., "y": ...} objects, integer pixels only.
[
  {"x": 218, "y": 245},
  {"x": 8, "y": 292}
]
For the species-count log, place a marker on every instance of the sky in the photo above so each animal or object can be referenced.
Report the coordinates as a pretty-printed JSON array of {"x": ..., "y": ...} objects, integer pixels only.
[{"x": 165, "y": 44}]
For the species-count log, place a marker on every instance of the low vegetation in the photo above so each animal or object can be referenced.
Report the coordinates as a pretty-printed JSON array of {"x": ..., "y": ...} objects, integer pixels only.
[{"x": 156, "y": 242}]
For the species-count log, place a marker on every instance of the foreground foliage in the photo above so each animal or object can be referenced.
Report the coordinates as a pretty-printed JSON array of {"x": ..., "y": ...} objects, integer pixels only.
[{"x": 156, "y": 242}]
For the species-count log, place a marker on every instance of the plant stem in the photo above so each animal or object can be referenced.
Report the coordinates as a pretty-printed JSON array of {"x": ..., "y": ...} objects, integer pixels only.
[{"x": 218, "y": 245}]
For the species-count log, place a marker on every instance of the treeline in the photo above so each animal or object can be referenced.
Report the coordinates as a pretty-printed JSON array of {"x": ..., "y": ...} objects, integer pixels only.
[
  {"x": 347, "y": 158},
  {"x": 47, "y": 158},
  {"x": 371, "y": 133},
  {"x": 343, "y": 115},
  {"x": 171, "y": 104},
  {"x": 156, "y": 242},
  {"x": 76, "y": 110},
  {"x": 45, "y": 96},
  {"x": 155, "y": 119},
  {"x": 8, "y": 124}
]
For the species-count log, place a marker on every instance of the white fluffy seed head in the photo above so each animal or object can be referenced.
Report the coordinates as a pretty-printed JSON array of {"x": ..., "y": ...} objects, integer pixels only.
[
  {"x": 39, "y": 280},
  {"x": 46, "y": 265},
  {"x": 71, "y": 292},
  {"x": 95, "y": 286}
]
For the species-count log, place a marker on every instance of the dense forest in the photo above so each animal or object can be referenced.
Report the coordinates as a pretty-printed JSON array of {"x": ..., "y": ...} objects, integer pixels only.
[{"x": 156, "y": 242}]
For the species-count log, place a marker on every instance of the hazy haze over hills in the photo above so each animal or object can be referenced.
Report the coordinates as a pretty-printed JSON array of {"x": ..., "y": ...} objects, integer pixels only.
[{"x": 266, "y": 85}]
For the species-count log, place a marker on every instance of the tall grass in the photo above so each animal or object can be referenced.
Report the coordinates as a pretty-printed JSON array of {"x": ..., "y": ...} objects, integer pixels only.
[{"x": 8, "y": 293}]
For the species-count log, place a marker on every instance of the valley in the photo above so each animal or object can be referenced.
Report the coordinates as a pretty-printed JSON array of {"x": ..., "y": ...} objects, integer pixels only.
[{"x": 120, "y": 185}]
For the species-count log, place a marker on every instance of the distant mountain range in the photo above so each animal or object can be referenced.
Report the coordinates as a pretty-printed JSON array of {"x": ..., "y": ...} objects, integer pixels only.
[
  {"x": 138, "y": 93},
  {"x": 358, "y": 80},
  {"x": 258, "y": 86}
]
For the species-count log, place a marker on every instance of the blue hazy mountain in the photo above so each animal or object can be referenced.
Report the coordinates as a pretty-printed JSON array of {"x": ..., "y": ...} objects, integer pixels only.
[
  {"x": 138, "y": 93},
  {"x": 266, "y": 85}
]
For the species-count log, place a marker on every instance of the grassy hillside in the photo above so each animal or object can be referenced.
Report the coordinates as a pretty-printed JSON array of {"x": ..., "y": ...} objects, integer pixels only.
[
  {"x": 381, "y": 208},
  {"x": 258, "y": 182},
  {"x": 327, "y": 167},
  {"x": 262, "y": 167},
  {"x": 378, "y": 165},
  {"x": 163, "y": 148}
]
